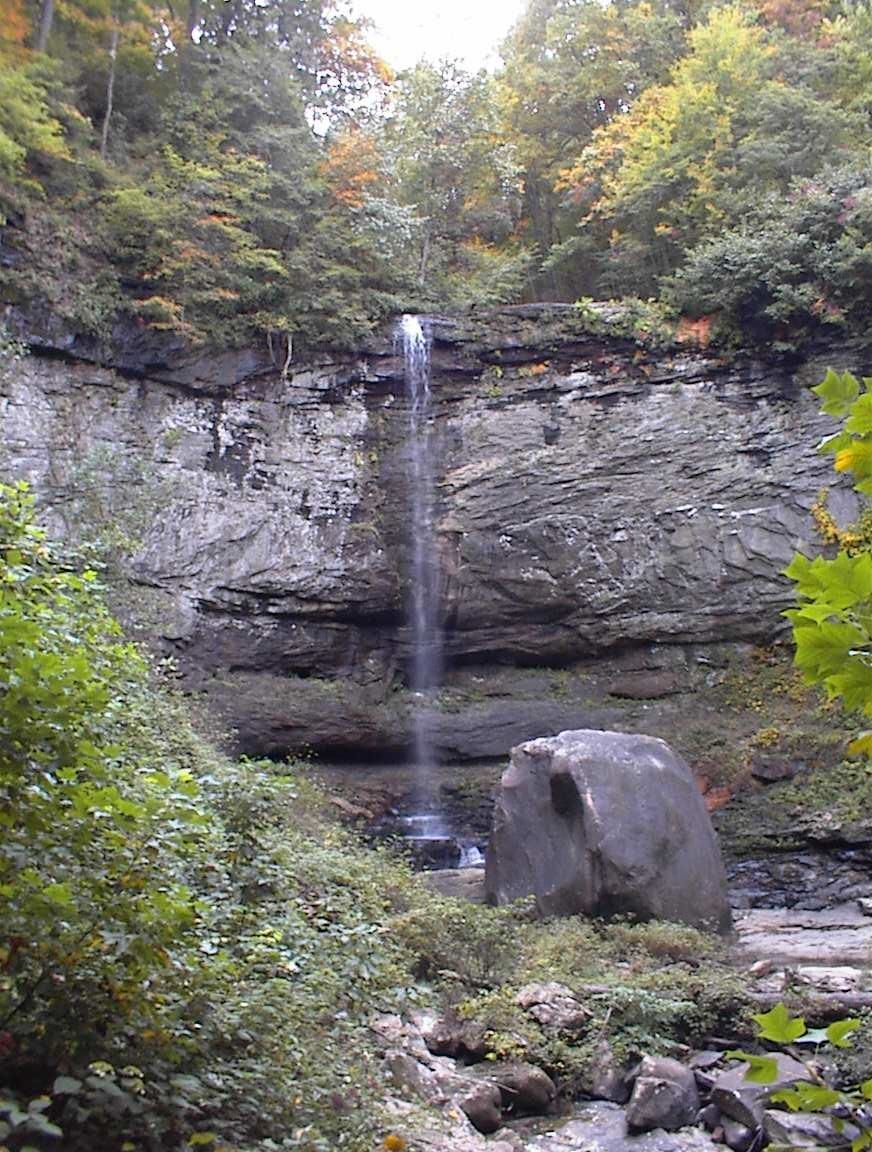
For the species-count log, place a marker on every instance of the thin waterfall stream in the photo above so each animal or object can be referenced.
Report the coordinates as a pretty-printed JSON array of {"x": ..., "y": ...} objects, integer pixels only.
[
  {"x": 425, "y": 665},
  {"x": 427, "y": 823}
]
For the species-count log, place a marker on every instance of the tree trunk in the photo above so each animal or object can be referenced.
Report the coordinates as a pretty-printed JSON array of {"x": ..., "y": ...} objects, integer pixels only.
[
  {"x": 193, "y": 20},
  {"x": 425, "y": 259},
  {"x": 110, "y": 90},
  {"x": 46, "y": 19}
]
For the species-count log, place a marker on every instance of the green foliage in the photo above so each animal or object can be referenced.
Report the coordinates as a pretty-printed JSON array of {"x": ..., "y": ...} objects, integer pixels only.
[
  {"x": 28, "y": 127},
  {"x": 848, "y": 1106},
  {"x": 461, "y": 943},
  {"x": 790, "y": 263},
  {"x": 92, "y": 904},
  {"x": 259, "y": 175},
  {"x": 832, "y": 626},
  {"x": 459, "y": 177}
]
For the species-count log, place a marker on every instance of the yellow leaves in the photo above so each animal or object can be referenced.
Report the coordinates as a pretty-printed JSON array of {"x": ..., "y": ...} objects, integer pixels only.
[
  {"x": 857, "y": 458},
  {"x": 394, "y": 1143},
  {"x": 861, "y": 746}
]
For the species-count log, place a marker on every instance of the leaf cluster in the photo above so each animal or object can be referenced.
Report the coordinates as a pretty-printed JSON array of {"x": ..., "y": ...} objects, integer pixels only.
[
  {"x": 847, "y": 1106},
  {"x": 832, "y": 625}
]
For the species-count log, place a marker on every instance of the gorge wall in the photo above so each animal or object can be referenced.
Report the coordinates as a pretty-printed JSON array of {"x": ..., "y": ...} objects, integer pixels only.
[{"x": 602, "y": 505}]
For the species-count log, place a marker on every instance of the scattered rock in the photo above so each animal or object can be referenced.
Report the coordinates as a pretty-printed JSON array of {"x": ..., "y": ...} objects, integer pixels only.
[
  {"x": 865, "y": 905},
  {"x": 768, "y": 769},
  {"x": 710, "y": 1116},
  {"x": 744, "y": 1101},
  {"x": 603, "y": 823},
  {"x": 482, "y": 1104},
  {"x": 460, "y": 883},
  {"x": 606, "y": 1080},
  {"x": 646, "y": 686},
  {"x": 445, "y": 1036},
  {"x": 349, "y": 810},
  {"x": 554, "y": 1006},
  {"x": 526, "y": 1089},
  {"x": 413, "y": 1078},
  {"x": 806, "y": 1130},
  {"x": 394, "y": 1032},
  {"x": 736, "y": 1135},
  {"x": 834, "y": 936},
  {"x": 603, "y": 1128},
  {"x": 664, "y": 1096}
]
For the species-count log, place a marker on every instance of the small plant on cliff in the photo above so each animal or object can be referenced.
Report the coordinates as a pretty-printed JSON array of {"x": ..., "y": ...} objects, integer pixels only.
[{"x": 832, "y": 625}]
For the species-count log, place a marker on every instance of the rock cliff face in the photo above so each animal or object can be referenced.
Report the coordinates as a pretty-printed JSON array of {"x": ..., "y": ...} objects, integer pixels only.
[{"x": 596, "y": 497}]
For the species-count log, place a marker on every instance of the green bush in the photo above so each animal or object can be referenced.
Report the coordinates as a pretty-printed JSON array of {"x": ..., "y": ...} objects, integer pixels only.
[
  {"x": 792, "y": 263},
  {"x": 93, "y": 833}
]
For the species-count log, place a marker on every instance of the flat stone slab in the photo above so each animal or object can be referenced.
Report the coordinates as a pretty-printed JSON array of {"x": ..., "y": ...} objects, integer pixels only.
[
  {"x": 461, "y": 883},
  {"x": 603, "y": 1128},
  {"x": 835, "y": 937}
]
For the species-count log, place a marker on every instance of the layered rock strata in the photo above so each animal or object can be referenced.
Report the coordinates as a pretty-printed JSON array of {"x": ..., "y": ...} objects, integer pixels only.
[{"x": 597, "y": 497}]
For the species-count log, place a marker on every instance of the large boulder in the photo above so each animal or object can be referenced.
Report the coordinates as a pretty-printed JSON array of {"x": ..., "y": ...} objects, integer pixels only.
[{"x": 605, "y": 823}]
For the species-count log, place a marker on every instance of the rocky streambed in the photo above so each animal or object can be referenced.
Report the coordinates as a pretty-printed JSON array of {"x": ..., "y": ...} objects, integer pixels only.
[
  {"x": 698, "y": 1102},
  {"x": 801, "y": 936},
  {"x": 819, "y": 962}
]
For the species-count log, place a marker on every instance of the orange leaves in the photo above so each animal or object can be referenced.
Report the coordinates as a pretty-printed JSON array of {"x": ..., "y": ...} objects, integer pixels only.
[
  {"x": 14, "y": 24},
  {"x": 802, "y": 18},
  {"x": 351, "y": 167},
  {"x": 698, "y": 332}
]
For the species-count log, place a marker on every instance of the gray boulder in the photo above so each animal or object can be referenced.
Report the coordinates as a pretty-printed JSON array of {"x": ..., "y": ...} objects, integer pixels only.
[
  {"x": 526, "y": 1089},
  {"x": 482, "y": 1106},
  {"x": 555, "y": 1007},
  {"x": 606, "y": 1078},
  {"x": 743, "y": 1100},
  {"x": 807, "y": 1130},
  {"x": 601, "y": 823},
  {"x": 664, "y": 1096}
]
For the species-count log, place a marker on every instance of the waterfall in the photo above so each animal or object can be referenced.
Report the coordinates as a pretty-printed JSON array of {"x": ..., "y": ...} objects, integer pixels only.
[{"x": 425, "y": 664}]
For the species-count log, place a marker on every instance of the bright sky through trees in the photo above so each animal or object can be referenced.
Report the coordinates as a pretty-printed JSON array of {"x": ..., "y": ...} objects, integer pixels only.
[{"x": 470, "y": 30}]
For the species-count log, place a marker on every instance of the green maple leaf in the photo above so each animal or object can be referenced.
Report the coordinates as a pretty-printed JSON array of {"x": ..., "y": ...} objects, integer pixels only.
[
  {"x": 854, "y": 684},
  {"x": 832, "y": 444},
  {"x": 823, "y": 650},
  {"x": 779, "y": 1025},
  {"x": 761, "y": 1069},
  {"x": 806, "y": 1097},
  {"x": 860, "y": 421},
  {"x": 856, "y": 458},
  {"x": 838, "y": 390},
  {"x": 839, "y": 1032}
]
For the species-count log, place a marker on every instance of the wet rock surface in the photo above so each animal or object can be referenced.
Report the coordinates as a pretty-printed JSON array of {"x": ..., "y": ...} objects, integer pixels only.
[
  {"x": 603, "y": 1127},
  {"x": 594, "y": 496},
  {"x": 804, "y": 880},
  {"x": 836, "y": 936}
]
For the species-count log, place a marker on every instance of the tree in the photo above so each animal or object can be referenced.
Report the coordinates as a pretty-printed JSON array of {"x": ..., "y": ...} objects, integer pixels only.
[
  {"x": 790, "y": 264},
  {"x": 832, "y": 625},
  {"x": 699, "y": 151},
  {"x": 569, "y": 69},
  {"x": 458, "y": 176}
]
